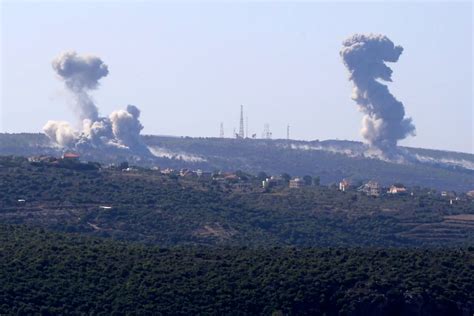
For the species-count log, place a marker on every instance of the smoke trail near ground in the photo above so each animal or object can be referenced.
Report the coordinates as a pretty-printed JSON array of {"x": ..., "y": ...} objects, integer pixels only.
[
  {"x": 384, "y": 122},
  {"x": 60, "y": 132},
  {"x": 121, "y": 130},
  {"x": 126, "y": 127}
]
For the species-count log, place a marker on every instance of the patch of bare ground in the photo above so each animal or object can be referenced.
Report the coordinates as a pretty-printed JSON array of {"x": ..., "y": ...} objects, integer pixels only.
[
  {"x": 94, "y": 226},
  {"x": 461, "y": 217},
  {"x": 215, "y": 230},
  {"x": 451, "y": 228}
]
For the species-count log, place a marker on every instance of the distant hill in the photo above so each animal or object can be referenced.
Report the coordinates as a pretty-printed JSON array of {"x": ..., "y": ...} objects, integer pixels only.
[{"x": 331, "y": 160}]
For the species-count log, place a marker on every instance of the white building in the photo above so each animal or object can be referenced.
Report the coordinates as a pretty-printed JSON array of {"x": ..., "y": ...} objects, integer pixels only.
[
  {"x": 397, "y": 189},
  {"x": 296, "y": 183},
  {"x": 344, "y": 185}
]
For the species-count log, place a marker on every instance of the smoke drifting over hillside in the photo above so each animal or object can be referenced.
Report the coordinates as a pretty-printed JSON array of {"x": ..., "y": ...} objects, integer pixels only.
[
  {"x": 121, "y": 129},
  {"x": 384, "y": 122}
]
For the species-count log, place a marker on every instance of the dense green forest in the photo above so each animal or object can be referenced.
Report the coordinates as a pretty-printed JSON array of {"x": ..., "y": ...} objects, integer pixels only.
[
  {"x": 147, "y": 206},
  {"x": 56, "y": 273},
  {"x": 330, "y": 160},
  {"x": 82, "y": 238}
]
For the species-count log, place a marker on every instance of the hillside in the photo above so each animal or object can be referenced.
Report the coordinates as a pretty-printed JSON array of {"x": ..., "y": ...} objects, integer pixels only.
[
  {"x": 148, "y": 206},
  {"x": 330, "y": 160},
  {"x": 67, "y": 274}
]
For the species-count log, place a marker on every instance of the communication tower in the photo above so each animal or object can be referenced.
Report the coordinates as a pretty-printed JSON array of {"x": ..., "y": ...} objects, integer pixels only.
[
  {"x": 241, "y": 126},
  {"x": 266, "y": 131}
]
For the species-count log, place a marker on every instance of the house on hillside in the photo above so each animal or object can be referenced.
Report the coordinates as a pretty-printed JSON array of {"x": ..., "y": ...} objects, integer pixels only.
[
  {"x": 371, "y": 188},
  {"x": 449, "y": 194},
  {"x": 169, "y": 171},
  {"x": 397, "y": 189},
  {"x": 130, "y": 169},
  {"x": 231, "y": 177},
  {"x": 70, "y": 156},
  {"x": 204, "y": 175},
  {"x": 42, "y": 159},
  {"x": 344, "y": 185},
  {"x": 271, "y": 182},
  {"x": 296, "y": 183},
  {"x": 186, "y": 173}
]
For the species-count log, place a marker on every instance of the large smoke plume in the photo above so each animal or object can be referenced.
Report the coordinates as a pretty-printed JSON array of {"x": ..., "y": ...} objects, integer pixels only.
[
  {"x": 121, "y": 129},
  {"x": 384, "y": 122}
]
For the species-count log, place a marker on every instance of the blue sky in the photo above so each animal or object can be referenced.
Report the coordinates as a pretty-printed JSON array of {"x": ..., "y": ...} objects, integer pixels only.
[{"x": 188, "y": 66}]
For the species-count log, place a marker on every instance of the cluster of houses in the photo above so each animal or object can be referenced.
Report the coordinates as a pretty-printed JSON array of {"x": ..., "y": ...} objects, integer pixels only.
[
  {"x": 373, "y": 188},
  {"x": 278, "y": 181},
  {"x": 188, "y": 173},
  {"x": 68, "y": 156},
  {"x": 226, "y": 178}
]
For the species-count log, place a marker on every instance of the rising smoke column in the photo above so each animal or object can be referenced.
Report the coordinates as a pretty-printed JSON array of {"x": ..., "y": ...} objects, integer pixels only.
[
  {"x": 384, "y": 122},
  {"x": 81, "y": 74}
]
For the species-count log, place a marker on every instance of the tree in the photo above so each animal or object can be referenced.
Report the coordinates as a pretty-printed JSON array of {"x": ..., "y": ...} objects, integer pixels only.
[
  {"x": 316, "y": 181},
  {"x": 308, "y": 180},
  {"x": 262, "y": 176},
  {"x": 286, "y": 177},
  {"x": 242, "y": 175}
]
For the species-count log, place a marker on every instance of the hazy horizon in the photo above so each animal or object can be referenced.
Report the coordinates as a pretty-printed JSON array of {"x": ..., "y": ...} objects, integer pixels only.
[{"x": 189, "y": 67}]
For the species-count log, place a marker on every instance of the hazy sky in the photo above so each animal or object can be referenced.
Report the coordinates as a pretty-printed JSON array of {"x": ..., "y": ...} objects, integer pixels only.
[{"x": 189, "y": 66}]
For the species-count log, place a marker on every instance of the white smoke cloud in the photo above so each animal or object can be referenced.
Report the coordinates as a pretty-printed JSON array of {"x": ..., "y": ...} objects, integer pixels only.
[
  {"x": 384, "y": 122},
  {"x": 126, "y": 127},
  {"x": 60, "y": 132},
  {"x": 121, "y": 129}
]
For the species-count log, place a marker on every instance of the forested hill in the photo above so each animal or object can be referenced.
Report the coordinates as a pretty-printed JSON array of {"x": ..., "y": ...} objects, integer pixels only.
[
  {"x": 80, "y": 238},
  {"x": 167, "y": 209},
  {"x": 330, "y": 160},
  {"x": 58, "y": 274}
]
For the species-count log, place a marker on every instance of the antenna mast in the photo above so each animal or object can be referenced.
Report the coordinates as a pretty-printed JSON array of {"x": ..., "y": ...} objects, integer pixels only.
[
  {"x": 266, "y": 131},
  {"x": 241, "y": 126},
  {"x": 221, "y": 134}
]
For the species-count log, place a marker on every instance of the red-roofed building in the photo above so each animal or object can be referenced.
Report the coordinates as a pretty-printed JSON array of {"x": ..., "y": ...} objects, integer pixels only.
[
  {"x": 71, "y": 156},
  {"x": 397, "y": 189}
]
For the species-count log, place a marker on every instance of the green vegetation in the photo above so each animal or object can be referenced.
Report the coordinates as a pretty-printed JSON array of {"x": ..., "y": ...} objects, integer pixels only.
[
  {"x": 146, "y": 206},
  {"x": 50, "y": 273},
  {"x": 187, "y": 245},
  {"x": 274, "y": 157}
]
